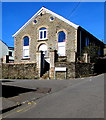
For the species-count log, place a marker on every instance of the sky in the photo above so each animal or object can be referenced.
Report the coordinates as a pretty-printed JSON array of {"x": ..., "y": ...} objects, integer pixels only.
[{"x": 89, "y": 15}]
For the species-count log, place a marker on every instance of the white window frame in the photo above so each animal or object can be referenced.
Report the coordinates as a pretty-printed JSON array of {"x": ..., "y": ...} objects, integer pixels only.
[
  {"x": 25, "y": 48},
  {"x": 43, "y": 31},
  {"x": 61, "y": 48}
]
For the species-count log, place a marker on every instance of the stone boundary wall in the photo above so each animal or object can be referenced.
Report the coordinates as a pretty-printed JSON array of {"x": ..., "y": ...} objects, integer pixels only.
[
  {"x": 29, "y": 70},
  {"x": 70, "y": 69},
  {"x": 84, "y": 70},
  {"x": 19, "y": 71},
  {"x": 76, "y": 70}
]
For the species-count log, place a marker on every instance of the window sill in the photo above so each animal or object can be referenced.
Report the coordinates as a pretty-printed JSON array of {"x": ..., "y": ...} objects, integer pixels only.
[
  {"x": 27, "y": 58},
  {"x": 42, "y": 39}
]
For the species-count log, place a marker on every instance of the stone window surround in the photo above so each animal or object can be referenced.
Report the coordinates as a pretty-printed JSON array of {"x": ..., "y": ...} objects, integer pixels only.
[
  {"x": 39, "y": 44},
  {"x": 44, "y": 48},
  {"x": 34, "y": 21},
  {"x": 43, "y": 37},
  {"x": 38, "y": 35},
  {"x": 25, "y": 58},
  {"x": 65, "y": 31},
  {"x": 51, "y": 19}
]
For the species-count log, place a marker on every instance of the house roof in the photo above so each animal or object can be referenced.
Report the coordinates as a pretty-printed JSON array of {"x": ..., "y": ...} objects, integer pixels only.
[
  {"x": 4, "y": 43},
  {"x": 47, "y": 11}
]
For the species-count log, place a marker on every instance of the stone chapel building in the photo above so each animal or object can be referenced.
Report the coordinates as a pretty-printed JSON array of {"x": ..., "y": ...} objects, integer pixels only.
[{"x": 54, "y": 43}]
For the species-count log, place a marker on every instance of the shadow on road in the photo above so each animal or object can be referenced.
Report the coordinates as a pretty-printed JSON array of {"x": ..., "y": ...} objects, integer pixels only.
[{"x": 11, "y": 91}]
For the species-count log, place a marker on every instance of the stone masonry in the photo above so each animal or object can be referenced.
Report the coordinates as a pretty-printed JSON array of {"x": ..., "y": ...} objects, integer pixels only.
[
  {"x": 75, "y": 39},
  {"x": 32, "y": 30},
  {"x": 19, "y": 71}
]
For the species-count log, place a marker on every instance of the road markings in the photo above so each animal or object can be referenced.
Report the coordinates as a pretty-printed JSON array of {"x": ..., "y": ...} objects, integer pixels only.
[
  {"x": 24, "y": 109},
  {"x": 27, "y": 107},
  {"x": 29, "y": 103}
]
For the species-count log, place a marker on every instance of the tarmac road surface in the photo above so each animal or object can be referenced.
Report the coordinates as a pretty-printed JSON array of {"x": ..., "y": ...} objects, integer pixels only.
[{"x": 81, "y": 98}]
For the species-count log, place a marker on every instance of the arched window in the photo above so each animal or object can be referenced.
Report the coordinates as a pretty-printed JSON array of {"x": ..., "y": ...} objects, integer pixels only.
[
  {"x": 26, "y": 47},
  {"x": 61, "y": 43},
  {"x": 26, "y": 41},
  {"x": 42, "y": 33},
  {"x": 61, "y": 36}
]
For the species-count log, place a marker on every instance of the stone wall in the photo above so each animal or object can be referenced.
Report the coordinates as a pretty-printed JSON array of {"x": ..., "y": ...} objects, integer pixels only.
[
  {"x": 70, "y": 73},
  {"x": 53, "y": 27},
  {"x": 75, "y": 70},
  {"x": 19, "y": 71},
  {"x": 84, "y": 69},
  {"x": 71, "y": 70},
  {"x": 29, "y": 70},
  {"x": 60, "y": 75}
]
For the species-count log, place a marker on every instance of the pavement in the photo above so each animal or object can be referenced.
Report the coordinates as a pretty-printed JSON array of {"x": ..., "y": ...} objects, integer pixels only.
[
  {"x": 13, "y": 102},
  {"x": 9, "y": 103}
]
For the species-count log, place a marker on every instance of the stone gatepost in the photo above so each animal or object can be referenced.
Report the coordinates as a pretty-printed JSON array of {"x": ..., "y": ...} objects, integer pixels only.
[
  {"x": 38, "y": 61},
  {"x": 52, "y": 65},
  {"x": 71, "y": 56},
  {"x": 86, "y": 58}
]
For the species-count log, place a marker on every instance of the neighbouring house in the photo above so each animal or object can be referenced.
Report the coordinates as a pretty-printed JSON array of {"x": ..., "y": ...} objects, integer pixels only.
[
  {"x": 55, "y": 44},
  {"x": 3, "y": 51},
  {"x": 6, "y": 53},
  {"x": 11, "y": 54}
]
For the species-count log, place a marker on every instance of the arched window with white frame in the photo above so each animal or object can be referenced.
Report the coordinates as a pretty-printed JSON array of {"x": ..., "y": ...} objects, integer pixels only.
[
  {"x": 42, "y": 33},
  {"x": 26, "y": 47},
  {"x": 61, "y": 43}
]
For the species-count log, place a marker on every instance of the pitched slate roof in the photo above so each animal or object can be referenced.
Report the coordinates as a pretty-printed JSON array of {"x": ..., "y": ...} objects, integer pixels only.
[{"x": 47, "y": 11}]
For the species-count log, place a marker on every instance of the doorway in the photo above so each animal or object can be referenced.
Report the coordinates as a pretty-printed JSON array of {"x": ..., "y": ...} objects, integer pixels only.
[{"x": 45, "y": 65}]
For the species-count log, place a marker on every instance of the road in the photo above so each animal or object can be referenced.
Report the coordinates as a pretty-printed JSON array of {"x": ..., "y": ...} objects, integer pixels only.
[{"x": 80, "y": 98}]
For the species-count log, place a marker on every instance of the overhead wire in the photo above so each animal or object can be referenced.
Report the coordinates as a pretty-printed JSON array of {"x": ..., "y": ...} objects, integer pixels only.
[{"x": 70, "y": 14}]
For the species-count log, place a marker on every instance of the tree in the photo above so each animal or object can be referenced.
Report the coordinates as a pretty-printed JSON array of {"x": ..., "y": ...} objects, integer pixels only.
[{"x": 92, "y": 50}]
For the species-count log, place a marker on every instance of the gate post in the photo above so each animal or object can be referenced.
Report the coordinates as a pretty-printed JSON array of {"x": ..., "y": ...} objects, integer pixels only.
[
  {"x": 38, "y": 61},
  {"x": 52, "y": 65}
]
